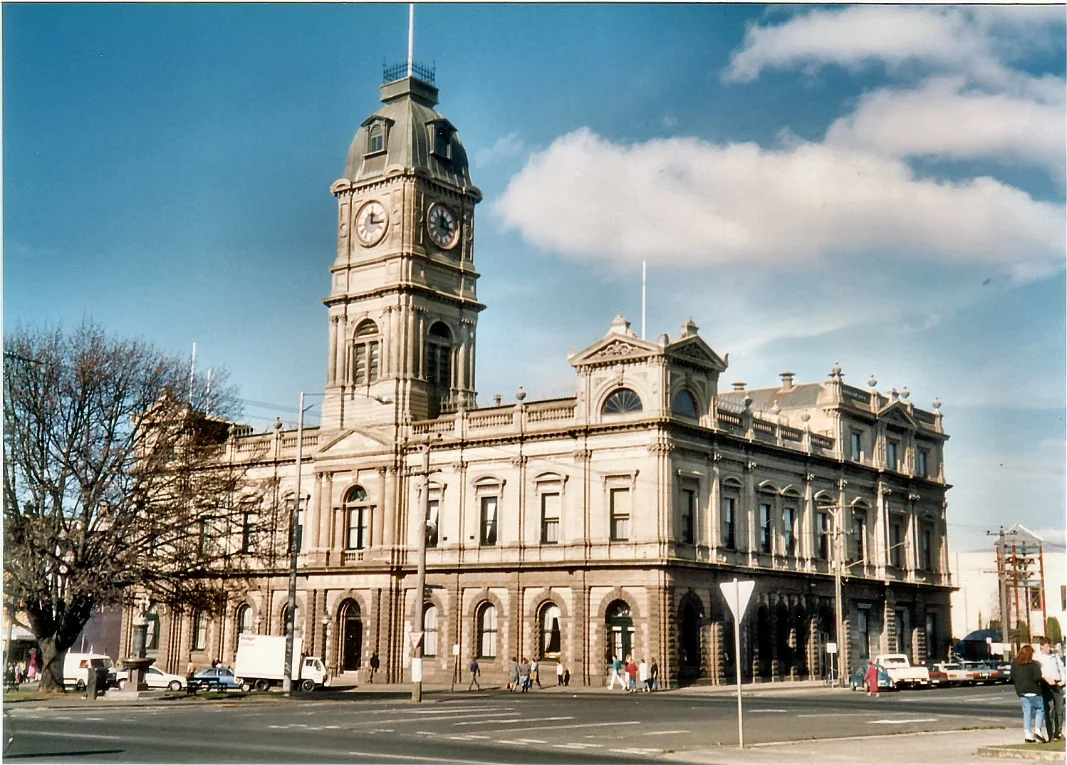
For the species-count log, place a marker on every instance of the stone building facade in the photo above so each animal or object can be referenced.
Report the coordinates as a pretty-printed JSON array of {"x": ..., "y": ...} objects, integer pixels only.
[{"x": 578, "y": 528}]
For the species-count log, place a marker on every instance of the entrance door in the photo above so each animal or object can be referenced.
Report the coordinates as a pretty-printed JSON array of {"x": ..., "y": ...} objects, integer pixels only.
[
  {"x": 351, "y": 638},
  {"x": 621, "y": 627}
]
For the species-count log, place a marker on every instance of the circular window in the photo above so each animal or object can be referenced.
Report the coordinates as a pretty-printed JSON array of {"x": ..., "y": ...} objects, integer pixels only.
[{"x": 622, "y": 401}]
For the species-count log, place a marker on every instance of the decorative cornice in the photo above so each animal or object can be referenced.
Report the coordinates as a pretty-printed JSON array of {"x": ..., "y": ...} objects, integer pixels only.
[
  {"x": 519, "y": 461},
  {"x": 581, "y": 455}
]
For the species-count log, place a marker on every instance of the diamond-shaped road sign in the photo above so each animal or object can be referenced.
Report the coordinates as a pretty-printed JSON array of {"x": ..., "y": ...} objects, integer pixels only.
[{"x": 737, "y": 595}]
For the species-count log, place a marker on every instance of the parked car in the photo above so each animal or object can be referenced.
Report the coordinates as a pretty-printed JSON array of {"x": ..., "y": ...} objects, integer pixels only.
[
  {"x": 154, "y": 678},
  {"x": 938, "y": 676},
  {"x": 901, "y": 670},
  {"x": 955, "y": 673},
  {"x": 981, "y": 672},
  {"x": 220, "y": 676},
  {"x": 1005, "y": 671},
  {"x": 885, "y": 682}
]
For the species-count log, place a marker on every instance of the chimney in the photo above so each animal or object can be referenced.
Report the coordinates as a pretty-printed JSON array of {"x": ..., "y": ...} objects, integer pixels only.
[
  {"x": 497, "y": 399},
  {"x": 787, "y": 380},
  {"x": 739, "y": 385}
]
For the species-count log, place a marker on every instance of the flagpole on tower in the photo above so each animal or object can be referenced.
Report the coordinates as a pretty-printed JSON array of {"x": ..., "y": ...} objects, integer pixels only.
[{"x": 411, "y": 38}]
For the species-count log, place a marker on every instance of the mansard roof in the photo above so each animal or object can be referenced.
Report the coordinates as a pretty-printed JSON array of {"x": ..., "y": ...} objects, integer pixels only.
[{"x": 408, "y": 119}]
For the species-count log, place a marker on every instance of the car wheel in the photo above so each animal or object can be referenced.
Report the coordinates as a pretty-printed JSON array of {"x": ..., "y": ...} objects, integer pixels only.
[
  {"x": 262, "y": 685},
  {"x": 175, "y": 685},
  {"x": 307, "y": 685},
  {"x": 79, "y": 686},
  {"x": 246, "y": 686},
  {"x": 854, "y": 686}
]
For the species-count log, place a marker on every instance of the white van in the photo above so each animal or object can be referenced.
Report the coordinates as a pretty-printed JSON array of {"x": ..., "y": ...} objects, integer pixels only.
[{"x": 76, "y": 668}]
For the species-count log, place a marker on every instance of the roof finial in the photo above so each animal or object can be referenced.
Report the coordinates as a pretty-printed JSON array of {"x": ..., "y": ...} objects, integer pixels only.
[{"x": 411, "y": 38}]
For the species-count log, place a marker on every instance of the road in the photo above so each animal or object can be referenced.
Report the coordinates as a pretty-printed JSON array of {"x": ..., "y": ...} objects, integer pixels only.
[{"x": 548, "y": 726}]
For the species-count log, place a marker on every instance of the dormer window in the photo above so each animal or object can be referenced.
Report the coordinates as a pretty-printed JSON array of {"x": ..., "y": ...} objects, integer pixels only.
[
  {"x": 377, "y": 138},
  {"x": 442, "y": 141}
]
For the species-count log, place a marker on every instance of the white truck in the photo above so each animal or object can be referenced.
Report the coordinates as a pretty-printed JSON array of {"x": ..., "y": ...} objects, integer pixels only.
[
  {"x": 901, "y": 670},
  {"x": 261, "y": 664}
]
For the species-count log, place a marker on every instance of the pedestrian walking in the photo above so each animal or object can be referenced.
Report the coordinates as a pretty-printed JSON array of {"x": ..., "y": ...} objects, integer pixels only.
[
  {"x": 475, "y": 671},
  {"x": 524, "y": 675},
  {"x": 513, "y": 675},
  {"x": 535, "y": 673},
  {"x": 375, "y": 665},
  {"x": 643, "y": 677},
  {"x": 616, "y": 674},
  {"x": 653, "y": 673},
  {"x": 559, "y": 674},
  {"x": 870, "y": 678},
  {"x": 1052, "y": 687},
  {"x": 631, "y": 675},
  {"x": 1026, "y": 677}
]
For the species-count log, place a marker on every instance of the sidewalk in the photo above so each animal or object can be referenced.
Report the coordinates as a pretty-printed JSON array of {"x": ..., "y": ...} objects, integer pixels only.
[{"x": 944, "y": 748}]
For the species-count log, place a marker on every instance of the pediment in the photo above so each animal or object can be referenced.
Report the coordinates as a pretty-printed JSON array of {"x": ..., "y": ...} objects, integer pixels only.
[
  {"x": 897, "y": 414},
  {"x": 354, "y": 441},
  {"x": 615, "y": 348},
  {"x": 694, "y": 349}
]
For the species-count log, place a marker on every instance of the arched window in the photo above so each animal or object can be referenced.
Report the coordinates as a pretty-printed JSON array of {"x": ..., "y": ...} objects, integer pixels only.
[
  {"x": 684, "y": 404},
  {"x": 244, "y": 619},
  {"x": 622, "y": 401},
  {"x": 366, "y": 353},
  {"x": 487, "y": 631},
  {"x": 377, "y": 138},
  {"x": 549, "y": 619},
  {"x": 439, "y": 356},
  {"x": 429, "y": 630},
  {"x": 297, "y": 629},
  {"x": 357, "y": 519}
]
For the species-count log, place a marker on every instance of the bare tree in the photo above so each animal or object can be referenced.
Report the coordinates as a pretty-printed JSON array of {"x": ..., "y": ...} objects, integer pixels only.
[{"x": 115, "y": 480}]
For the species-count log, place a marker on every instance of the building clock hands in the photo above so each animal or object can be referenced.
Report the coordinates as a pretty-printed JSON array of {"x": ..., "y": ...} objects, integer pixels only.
[
  {"x": 371, "y": 223},
  {"x": 442, "y": 226}
]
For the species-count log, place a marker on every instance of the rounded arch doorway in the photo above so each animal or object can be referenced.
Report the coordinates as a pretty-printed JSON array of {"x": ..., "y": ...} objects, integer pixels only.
[
  {"x": 620, "y": 630},
  {"x": 351, "y": 642}
]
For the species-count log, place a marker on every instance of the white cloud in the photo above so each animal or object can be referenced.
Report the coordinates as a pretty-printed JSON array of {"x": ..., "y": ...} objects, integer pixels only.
[
  {"x": 506, "y": 147},
  {"x": 943, "y": 120},
  {"x": 946, "y": 39},
  {"x": 683, "y": 201}
]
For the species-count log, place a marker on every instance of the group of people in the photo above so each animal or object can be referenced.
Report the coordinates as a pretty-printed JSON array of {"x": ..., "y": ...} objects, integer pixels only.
[
  {"x": 522, "y": 675},
  {"x": 17, "y": 673},
  {"x": 634, "y": 676},
  {"x": 1038, "y": 676}
]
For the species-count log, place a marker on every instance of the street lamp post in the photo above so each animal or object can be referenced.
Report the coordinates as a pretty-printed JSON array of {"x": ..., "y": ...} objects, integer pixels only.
[{"x": 420, "y": 580}]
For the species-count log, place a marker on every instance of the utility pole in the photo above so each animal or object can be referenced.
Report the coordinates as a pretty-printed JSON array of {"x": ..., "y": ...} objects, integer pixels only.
[{"x": 294, "y": 552}]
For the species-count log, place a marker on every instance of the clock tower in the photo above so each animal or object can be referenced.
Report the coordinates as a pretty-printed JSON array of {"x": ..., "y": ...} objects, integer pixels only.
[{"x": 403, "y": 307}]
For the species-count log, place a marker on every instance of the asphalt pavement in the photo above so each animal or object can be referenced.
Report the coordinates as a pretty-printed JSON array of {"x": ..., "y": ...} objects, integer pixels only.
[{"x": 795, "y": 723}]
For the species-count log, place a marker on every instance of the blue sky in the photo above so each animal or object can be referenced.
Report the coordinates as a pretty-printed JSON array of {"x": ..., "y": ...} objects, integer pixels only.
[{"x": 880, "y": 186}]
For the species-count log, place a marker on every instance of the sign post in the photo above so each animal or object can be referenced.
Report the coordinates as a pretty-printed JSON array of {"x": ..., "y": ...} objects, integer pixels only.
[{"x": 737, "y": 595}]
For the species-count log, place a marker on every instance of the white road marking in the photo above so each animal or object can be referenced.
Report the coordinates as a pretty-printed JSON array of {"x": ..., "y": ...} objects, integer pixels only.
[
  {"x": 578, "y": 746},
  {"x": 637, "y": 750},
  {"x": 581, "y": 725},
  {"x": 68, "y": 735},
  {"x": 381, "y": 755},
  {"x": 516, "y": 719},
  {"x": 902, "y": 722},
  {"x": 467, "y": 737},
  {"x": 665, "y": 732},
  {"x": 766, "y": 711},
  {"x": 530, "y": 741}
]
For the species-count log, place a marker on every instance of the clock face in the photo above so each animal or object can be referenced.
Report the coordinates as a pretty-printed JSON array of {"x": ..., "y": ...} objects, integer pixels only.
[
  {"x": 442, "y": 225},
  {"x": 371, "y": 222}
]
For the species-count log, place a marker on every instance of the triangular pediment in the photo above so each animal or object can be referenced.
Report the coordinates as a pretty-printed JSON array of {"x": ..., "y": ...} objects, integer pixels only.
[
  {"x": 896, "y": 413},
  {"x": 695, "y": 350},
  {"x": 615, "y": 348},
  {"x": 353, "y": 441}
]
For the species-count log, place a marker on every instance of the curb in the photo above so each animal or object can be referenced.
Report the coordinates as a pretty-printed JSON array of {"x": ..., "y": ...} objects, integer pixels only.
[{"x": 1019, "y": 754}]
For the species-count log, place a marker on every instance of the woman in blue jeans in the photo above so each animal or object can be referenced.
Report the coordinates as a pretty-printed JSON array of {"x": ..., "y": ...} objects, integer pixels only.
[{"x": 1026, "y": 677}]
